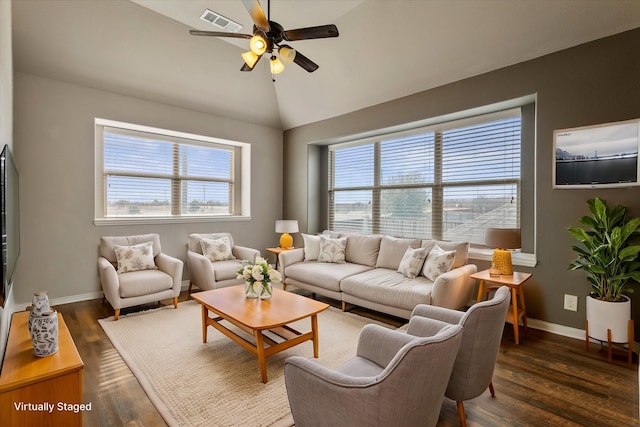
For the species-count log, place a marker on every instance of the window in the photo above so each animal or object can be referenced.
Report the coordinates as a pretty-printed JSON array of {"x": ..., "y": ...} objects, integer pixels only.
[
  {"x": 152, "y": 173},
  {"x": 450, "y": 181}
]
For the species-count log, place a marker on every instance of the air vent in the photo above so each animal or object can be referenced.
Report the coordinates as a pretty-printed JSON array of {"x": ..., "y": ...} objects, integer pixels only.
[{"x": 220, "y": 21}]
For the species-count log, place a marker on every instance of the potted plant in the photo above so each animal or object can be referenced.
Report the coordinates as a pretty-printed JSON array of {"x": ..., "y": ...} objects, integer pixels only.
[{"x": 609, "y": 255}]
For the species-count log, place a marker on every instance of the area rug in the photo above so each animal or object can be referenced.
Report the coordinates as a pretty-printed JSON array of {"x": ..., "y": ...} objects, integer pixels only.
[{"x": 218, "y": 383}]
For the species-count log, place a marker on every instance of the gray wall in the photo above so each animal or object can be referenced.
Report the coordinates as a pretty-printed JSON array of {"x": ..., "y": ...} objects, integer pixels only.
[
  {"x": 593, "y": 83},
  {"x": 54, "y": 153}
]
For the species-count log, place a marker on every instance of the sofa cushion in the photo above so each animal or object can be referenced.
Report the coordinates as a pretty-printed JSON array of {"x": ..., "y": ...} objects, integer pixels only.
[
  {"x": 135, "y": 258},
  {"x": 321, "y": 275},
  {"x": 438, "y": 261},
  {"x": 412, "y": 261},
  {"x": 363, "y": 249},
  {"x": 332, "y": 250},
  {"x": 226, "y": 270},
  {"x": 311, "y": 247},
  {"x": 388, "y": 287},
  {"x": 461, "y": 248},
  {"x": 108, "y": 242},
  {"x": 144, "y": 282},
  {"x": 193, "y": 242},
  {"x": 392, "y": 250},
  {"x": 216, "y": 249}
]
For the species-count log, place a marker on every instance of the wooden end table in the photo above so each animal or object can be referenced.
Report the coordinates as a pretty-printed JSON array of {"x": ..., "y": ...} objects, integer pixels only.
[
  {"x": 277, "y": 251},
  {"x": 515, "y": 281},
  {"x": 256, "y": 316}
]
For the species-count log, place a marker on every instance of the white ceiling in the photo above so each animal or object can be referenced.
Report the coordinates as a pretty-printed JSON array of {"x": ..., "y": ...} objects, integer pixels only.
[{"x": 387, "y": 49}]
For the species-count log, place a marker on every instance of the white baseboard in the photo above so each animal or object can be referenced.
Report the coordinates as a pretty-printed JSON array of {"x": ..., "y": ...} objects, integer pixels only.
[{"x": 77, "y": 298}]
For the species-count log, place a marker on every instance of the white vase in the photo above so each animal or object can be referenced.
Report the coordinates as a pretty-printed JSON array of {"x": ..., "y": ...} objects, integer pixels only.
[
  {"x": 252, "y": 290},
  {"x": 44, "y": 333},
  {"x": 39, "y": 304},
  {"x": 604, "y": 315},
  {"x": 266, "y": 291}
]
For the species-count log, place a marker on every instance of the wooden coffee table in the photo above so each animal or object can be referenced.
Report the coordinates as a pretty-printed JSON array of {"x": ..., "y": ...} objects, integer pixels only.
[{"x": 256, "y": 316}]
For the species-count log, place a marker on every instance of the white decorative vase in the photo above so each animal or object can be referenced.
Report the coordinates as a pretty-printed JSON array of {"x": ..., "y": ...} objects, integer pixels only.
[
  {"x": 604, "y": 315},
  {"x": 44, "y": 333},
  {"x": 252, "y": 290},
  {"x": 266, "y": 291},
  {"x": 39, "y": 304}
]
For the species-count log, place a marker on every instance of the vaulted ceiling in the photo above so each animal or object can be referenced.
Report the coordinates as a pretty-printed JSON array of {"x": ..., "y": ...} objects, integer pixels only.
[{"x": 387, "y": 49}]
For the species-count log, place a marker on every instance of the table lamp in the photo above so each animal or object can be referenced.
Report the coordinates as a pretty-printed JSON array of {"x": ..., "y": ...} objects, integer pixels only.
[
  {"x": 502, "y": 240},
  {"x": 286, "y": 226}
]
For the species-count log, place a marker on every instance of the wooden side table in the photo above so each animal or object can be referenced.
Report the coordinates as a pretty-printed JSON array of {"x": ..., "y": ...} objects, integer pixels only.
[
  {"x": 517, "y": 309},
  {"x": 277, "y": 251}
]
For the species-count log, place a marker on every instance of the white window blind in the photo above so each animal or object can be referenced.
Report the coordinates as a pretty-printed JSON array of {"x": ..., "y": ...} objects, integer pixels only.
[
  {"x": 451, "y": 181},
  {"x": 152, "y": 175}
]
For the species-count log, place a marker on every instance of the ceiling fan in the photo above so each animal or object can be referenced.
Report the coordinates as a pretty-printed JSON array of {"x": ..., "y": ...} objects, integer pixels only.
[{"x": 268, "y": 37}]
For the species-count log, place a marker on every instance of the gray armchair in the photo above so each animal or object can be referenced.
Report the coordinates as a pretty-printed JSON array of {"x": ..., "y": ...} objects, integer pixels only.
[
  {"x": 129, "y": 288},
  {"x": 207, "y": 274},
  {"x": 482, "y": 326},
  {"x": 395, "y": 379}
]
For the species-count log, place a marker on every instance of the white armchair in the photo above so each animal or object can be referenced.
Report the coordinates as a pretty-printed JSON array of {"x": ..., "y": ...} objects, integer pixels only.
[
  {"x": 207, "y": 274},
  {"x": 134, "y": 271}
]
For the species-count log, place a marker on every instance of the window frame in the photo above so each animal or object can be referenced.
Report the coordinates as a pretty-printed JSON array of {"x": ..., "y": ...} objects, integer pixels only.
[
  {"x": 240, "y": 195},
  {"x": 477, "y": 251}
]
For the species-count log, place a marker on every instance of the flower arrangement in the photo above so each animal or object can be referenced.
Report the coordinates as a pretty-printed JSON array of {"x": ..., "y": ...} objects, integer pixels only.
[{"x": 259, "y": 273}]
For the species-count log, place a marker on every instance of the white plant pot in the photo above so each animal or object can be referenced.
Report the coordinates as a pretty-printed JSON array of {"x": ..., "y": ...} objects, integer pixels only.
[{"x": 604, "y": 315}]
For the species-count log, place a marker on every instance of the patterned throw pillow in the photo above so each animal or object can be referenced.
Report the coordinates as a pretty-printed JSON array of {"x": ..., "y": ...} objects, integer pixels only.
[
  {"x": 412, "y": 262},
  {"x": 135, "y": 258},
  {"x": 332, "y": 250},
  {"x": 438, "y": 261},
  {"x": 216, "y": 249}
]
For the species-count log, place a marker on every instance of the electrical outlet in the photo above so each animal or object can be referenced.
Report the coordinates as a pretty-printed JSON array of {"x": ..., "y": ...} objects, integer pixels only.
[{"x": 570, "y": 302}]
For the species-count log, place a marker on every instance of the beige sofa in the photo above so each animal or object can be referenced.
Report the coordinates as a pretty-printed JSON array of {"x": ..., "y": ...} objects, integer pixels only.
[{"x": 368, "y": 275}]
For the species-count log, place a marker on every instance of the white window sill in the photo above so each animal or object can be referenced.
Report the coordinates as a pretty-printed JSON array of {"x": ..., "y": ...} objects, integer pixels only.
[
  {"x": 167, "y": 220},
  {"x": 517, "y": 257}
]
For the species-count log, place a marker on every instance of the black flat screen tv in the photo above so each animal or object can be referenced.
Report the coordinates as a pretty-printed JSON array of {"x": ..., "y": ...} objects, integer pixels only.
[
  {"x": 10, "y": 217},
  {"x": 600, "y": 156}
]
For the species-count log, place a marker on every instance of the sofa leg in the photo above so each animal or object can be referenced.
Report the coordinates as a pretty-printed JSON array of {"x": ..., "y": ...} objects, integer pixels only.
[
  {"x": 284, "y": 286},
  {"x": 344, "y": 306},
  {"x": 117, "y": 314},
  {"x": 189, "y": 288},
  {"x": 493, "y": 392},
  {"x": 175, "y": 302}
]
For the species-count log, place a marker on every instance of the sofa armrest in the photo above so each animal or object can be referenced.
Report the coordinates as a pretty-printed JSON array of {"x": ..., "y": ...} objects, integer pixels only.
[
  {"x": 287, "y": 258},
  {"x": 173, "y": 267},
  {"x": 242, "y": 253},
  {"x": 454, "y": 289},
  {"x": 200, "y": 271},
  {"x": 109, "y": 280}
]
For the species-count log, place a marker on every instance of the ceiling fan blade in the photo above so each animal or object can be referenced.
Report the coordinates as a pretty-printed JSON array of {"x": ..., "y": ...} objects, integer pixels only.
[
  {"x": 320, "y": 32},
  {"x": 305, "y": 62},
  {"x": 257, "y": 14},
  {"x": 219, "y": 34}
]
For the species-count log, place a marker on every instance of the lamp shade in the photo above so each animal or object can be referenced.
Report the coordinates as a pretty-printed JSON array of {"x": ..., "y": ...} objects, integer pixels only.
[
  {"x": 276, "y": 65},
  {"x": 258, "y": 45},
  {"x": 287, "y": 53},
  {"x": 287, "y": 226},
  {"x": 503, "y": 238},
  {"x": 250, "y": 58}
]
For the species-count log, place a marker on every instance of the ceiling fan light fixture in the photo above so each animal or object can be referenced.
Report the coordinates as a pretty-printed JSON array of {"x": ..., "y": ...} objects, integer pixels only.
[
  {"x": 258, "y": 45},
  {"x": 276, "y": 65},
  {"x": 287, "y": 54},
  {"x": 250, "y": 58}
]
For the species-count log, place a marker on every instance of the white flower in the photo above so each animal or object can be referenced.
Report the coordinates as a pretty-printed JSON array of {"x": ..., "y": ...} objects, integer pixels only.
[
  {"x": 274, "y": 275},
  {"x": 257, "y": 273}
]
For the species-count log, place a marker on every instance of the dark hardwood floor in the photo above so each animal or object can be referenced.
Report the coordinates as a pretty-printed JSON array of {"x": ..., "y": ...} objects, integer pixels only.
[{"x": 547, "y": 380}]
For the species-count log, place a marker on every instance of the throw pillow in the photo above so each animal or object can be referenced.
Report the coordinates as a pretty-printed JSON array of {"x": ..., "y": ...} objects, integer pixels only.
[
  {"x": 217, "y": 249},
  {"x": 438, "y": 261},
  {"x": 412, "y": 262},
  {"x": 332, "y": 250},
  {"x": 135, "y": 258},
  {"x": 311, "y": 247}
]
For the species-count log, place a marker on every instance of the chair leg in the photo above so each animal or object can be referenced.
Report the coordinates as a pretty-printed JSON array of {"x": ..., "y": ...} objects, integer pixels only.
[
  {"x": 491, "y": 389},
  {"x": 461, "y": 416},
  {"x": 175, "y": 302},
  {"x": 189, "y": 288},
  {"x": 117, "y": 314}
]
